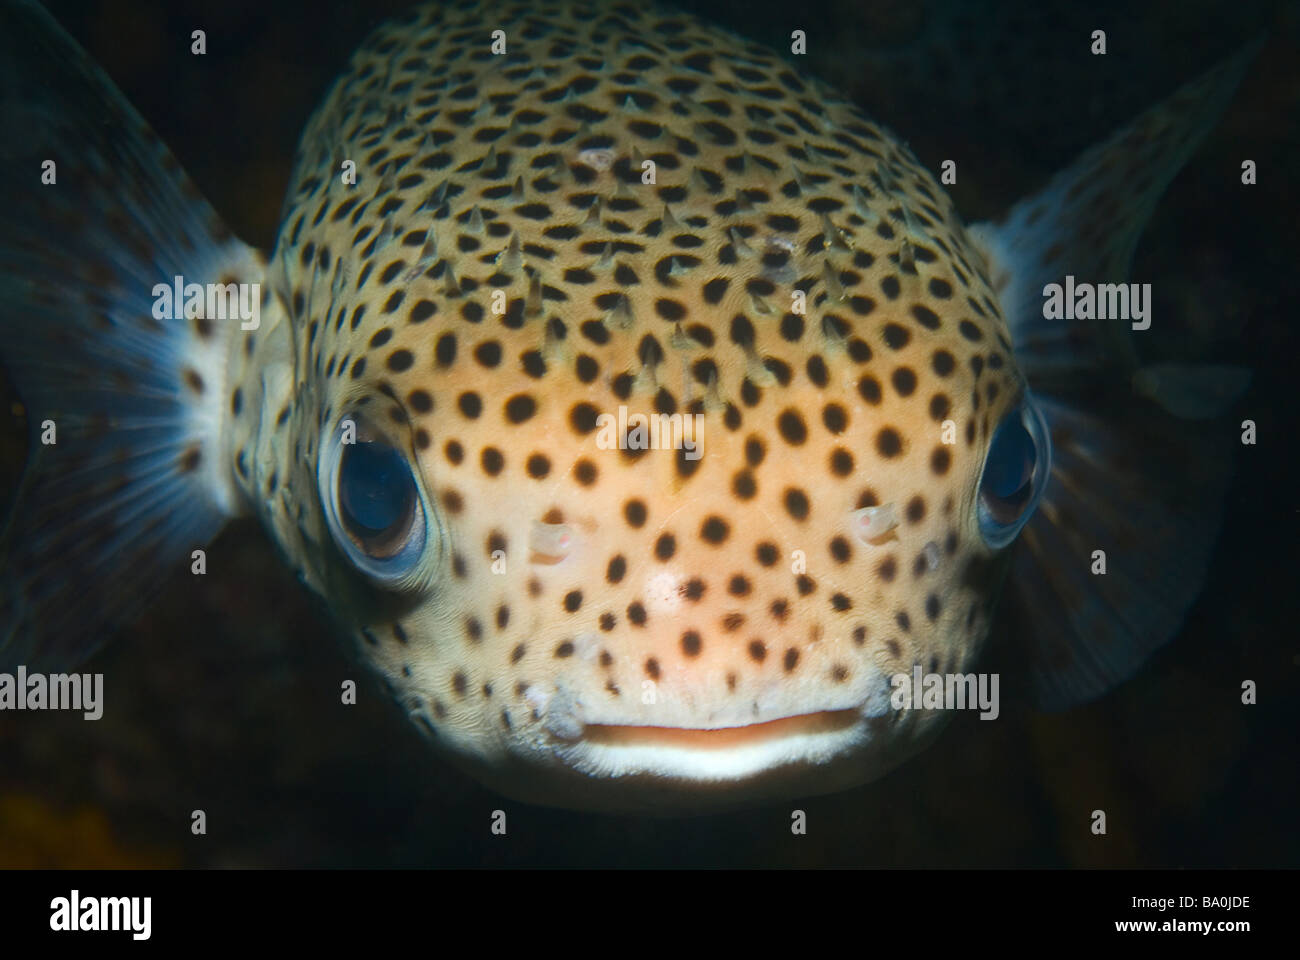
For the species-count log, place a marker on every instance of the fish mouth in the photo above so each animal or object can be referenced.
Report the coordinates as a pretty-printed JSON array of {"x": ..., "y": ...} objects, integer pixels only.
[
  {"x": 820, "y": 722},
  {"x": 718, "y": 755}
]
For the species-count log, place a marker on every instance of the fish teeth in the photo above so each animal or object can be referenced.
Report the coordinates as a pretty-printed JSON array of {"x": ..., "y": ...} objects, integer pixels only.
[
  {"x": 593, "y": 214},
  {"x": 517, "y": 192},
  {"x": 669, "y": 221},
  {"x": 475, "y": 224},
  {"x": 606, "y": 257}
]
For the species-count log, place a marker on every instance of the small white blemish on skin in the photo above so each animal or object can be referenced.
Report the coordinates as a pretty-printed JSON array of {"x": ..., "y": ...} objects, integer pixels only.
[
  {"x": 561, "y": 716},
  {"x": 537, "y": 698},
  {"x": 586, "y": 645},
  {"x": 551, "y": 542},
  {"x": 597, "y": 159},
  {"x": 931, "y": 553},
  {"x": 874, "y": 523},
  {"x": 663, "y": 592}
]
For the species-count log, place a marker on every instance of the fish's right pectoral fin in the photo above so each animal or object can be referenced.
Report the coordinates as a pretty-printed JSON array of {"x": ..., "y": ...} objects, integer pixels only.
[{"x": 124, "y": 392}]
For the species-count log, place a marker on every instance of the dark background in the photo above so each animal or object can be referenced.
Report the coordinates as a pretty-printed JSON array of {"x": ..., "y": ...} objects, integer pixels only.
[{"x": 225, "y": 695}]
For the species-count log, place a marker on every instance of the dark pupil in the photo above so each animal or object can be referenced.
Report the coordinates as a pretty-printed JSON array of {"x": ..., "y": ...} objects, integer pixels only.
[
  {"x": 376, "y": 491},
  {"x": 1010, "y": 465}
]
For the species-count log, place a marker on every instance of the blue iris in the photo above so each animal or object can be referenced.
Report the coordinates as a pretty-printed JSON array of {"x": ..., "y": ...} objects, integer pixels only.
[
  {"x": 1010, "y": 463},
  {"x": 1015, "y": 469},
  {"x": 376, "y": 492}
]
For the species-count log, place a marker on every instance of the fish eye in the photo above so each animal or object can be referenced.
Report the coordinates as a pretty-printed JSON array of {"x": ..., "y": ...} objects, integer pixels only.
[
  {"x": 1016, "y": 467},
  {"x": 377, "y": 498},
  {"x": 373, "y": 504}
]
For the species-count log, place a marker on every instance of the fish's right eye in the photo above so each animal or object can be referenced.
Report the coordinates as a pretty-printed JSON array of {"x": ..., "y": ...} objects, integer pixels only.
[{"x": 373, "y": 505}]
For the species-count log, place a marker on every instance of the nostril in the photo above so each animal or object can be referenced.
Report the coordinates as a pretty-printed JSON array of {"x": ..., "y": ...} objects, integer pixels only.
[
  {"x": 873, "y": 524},
  {"x": 550, "y": 543}
]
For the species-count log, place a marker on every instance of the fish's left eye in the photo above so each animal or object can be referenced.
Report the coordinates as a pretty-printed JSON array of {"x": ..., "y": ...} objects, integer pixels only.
[
  {"x": 1016, "y": 467},
  {"x": 373, "y": 505}
]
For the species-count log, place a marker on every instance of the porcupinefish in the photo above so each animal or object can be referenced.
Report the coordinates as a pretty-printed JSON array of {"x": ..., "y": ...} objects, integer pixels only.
[{"x": 515, "y": 239}]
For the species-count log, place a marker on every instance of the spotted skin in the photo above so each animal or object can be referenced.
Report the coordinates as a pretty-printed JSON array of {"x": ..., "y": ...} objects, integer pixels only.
[{"x": 733, "y": 588}]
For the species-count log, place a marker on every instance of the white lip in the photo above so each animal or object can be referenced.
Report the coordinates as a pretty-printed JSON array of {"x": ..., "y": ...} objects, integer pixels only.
[{"x": 718, "y": 754}]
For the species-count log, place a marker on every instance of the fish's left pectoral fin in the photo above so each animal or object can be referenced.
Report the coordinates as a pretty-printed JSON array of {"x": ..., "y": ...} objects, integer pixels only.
[
  {"x": 1084, "y": 224},
  {"x": 1105, "y": 571}
]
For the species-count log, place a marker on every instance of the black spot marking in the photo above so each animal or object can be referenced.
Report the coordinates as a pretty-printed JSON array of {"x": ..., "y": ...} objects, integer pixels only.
[
  {"x": 665, "y": 547},
  {"x": 715, "y": 530},
  {"x": 520, "y": 407},
  {"x": 888, "y": 443},
  {"x": 792, "y": 427},
  {"x": 796, "y": 503},
  {"x": 634, "y": 511}
]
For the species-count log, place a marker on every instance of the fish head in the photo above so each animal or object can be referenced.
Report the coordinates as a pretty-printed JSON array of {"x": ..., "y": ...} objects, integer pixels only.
[
  {"x": 678, "y": 566},
  {"x": 641, "y": 500}
]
